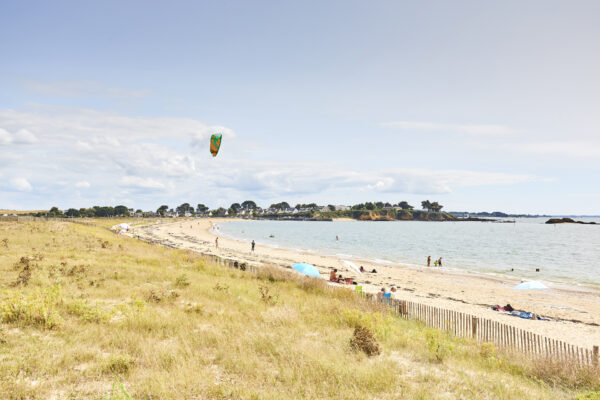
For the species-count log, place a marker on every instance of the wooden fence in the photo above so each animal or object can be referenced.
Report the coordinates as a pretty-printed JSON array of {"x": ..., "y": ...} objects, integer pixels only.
[{"x": 504, "y": 336}]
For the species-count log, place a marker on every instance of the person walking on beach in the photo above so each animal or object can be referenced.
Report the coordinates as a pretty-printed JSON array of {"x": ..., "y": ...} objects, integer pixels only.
[
  {"x": 253, "y": 244},
  {"x": 217, "y": 242},
  {"x": 429, "y": 261},
  {"x": 440, "y": 262}
]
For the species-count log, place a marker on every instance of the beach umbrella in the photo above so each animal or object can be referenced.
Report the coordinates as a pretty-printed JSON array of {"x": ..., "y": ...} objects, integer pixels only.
[
  {"x": 530, "y": 285},
  {"x": 306, "y": 269},
  {"x": 352, "y": 265}
]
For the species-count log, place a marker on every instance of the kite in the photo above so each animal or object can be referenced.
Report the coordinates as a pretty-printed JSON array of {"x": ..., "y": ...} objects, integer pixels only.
[{"x": 215, "y": 143}]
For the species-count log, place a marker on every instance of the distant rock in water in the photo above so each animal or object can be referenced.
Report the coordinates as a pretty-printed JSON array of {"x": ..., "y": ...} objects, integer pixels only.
[{"x": 567, "y": 221}]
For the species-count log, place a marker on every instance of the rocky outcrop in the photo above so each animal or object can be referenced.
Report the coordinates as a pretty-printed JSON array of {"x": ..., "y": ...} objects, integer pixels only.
[{"x": 567, "y": 221}]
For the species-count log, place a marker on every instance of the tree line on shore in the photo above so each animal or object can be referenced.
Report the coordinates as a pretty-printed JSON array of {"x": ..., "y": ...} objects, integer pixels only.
[{"x": 247, "y": 207}]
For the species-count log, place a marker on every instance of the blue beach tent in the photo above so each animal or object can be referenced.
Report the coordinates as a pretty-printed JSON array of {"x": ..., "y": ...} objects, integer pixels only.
[
  {"x": 531, "y": 285},
  {"x": 306, "y": 269}
]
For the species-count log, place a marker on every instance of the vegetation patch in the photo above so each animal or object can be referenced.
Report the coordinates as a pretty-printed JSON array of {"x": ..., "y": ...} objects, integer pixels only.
[
  {"x": 36, "y": 308},
  {"x": 363, "y": 340}
]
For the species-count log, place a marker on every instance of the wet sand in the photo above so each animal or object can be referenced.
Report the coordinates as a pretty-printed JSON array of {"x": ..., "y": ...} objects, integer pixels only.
[{"x": 575, "y": 310}]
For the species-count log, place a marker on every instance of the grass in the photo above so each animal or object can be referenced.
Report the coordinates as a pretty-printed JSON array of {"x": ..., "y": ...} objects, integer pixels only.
[{"x": 103, "y": 316}]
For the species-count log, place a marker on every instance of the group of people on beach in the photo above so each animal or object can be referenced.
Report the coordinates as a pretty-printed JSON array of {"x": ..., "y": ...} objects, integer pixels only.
[
  {"x": 382, "y": 294},
  {"x": 338, "y": 278},
  {"x": 436, "y": 263}
]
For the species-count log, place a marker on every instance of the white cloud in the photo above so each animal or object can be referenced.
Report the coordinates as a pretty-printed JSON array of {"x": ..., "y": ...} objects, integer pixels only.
[
  {"x": 470, "y": 129},
  {"x": 5, "y": 137},
  {"x": 151, "y": 160},
  {"x": 560, "y": 148},
  {"x": 22, "y": 136},
  {"x": 272, "y": 179},
  {"x": 85, "y": 89},
  {"x": 82, "y": 185},
  {"x": 139, "y": 182},
  {"x": 96, "y": 128},
  {"x": 21, "y": 184}
]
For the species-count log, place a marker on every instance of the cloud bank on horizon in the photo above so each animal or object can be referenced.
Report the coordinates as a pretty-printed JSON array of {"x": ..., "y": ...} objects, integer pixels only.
[
  {"x": 96, "y": 156},
  {"x": 394, "y": 102}
]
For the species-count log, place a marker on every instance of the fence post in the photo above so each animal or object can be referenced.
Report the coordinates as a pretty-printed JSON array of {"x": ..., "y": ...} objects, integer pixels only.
[
  {"x": 474, "y": 327},
  {"x": 595, "y": 359}
]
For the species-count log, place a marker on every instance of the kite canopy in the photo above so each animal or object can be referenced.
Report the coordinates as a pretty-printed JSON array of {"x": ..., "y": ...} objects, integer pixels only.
[{"x": 215, "y": 143}]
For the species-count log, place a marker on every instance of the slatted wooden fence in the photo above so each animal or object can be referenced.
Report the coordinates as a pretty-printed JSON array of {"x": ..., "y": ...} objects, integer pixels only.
[{"x": 503, "y": 335}]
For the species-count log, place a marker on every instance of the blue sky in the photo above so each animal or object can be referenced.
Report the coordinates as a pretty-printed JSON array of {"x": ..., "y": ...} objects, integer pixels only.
[{"x": 476, "y": 105}]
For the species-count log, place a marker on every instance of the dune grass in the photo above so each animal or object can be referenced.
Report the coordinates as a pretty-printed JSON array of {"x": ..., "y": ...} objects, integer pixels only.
[{"x": 85, "y": 313}]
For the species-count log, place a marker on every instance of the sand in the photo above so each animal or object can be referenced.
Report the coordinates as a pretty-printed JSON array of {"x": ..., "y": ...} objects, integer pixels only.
[{"x": 575, "y": 310}]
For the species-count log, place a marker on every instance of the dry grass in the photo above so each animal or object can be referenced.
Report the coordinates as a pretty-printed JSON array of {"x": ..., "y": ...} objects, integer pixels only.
[{"x": 105, "y": 316}]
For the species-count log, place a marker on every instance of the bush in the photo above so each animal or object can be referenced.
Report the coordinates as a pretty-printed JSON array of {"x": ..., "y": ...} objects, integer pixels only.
[
  {"x": 88, "y": 313},
  {"x": 438, "y": 344},
  {"x": 588, "y": 396},
  {"x": 118, "y": 364},
  {"x": 363, "y": 340},
  {"x": 37, "y": 308},
  {"x": 182, "y": 281}
]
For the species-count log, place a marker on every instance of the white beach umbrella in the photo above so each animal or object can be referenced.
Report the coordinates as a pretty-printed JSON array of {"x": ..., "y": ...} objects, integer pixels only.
[
  {"x": 535, "y": 285},
  {"x": 352, "y": 265}
]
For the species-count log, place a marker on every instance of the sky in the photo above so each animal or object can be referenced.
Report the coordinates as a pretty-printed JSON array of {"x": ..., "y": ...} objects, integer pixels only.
[{"x": 481, "y": 106}]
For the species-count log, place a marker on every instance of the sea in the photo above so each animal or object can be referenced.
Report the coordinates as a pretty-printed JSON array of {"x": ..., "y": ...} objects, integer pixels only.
[{"x": 563, "y": 253}]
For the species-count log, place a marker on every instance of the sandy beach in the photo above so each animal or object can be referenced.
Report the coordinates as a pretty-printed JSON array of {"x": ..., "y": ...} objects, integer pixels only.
[{"x": 575, "y": 311}]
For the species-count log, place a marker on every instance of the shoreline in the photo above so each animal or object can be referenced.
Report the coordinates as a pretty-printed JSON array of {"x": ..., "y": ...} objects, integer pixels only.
[
  {"x": 575, "y": 310},
  {"x": 555, "y": 282}
]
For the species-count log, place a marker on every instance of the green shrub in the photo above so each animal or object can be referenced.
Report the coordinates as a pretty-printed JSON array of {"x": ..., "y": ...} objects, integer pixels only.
[
  {"x": 438, "y": 344},
  {"x": 36, "y": 308},
  {"x": 588, "y": 396},
  {"x": 88, "y": 313},
  {"x": 118, "y": 364},
  {"x": 182, "y": 281}
]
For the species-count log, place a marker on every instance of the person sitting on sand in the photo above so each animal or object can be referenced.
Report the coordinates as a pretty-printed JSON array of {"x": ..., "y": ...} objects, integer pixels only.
[
  {"x": 374, "y": 271},
  {"x": 333, "y": 276},
  {"x": 362, "y": 269},
  {"x": 380, "y": 294},
  {"x": 392, "y": 292},
  {"x": 341, "y": 279}
]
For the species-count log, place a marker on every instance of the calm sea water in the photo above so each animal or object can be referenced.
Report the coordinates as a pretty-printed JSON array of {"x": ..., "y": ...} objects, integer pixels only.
[{"x": 564, "y": 253}]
